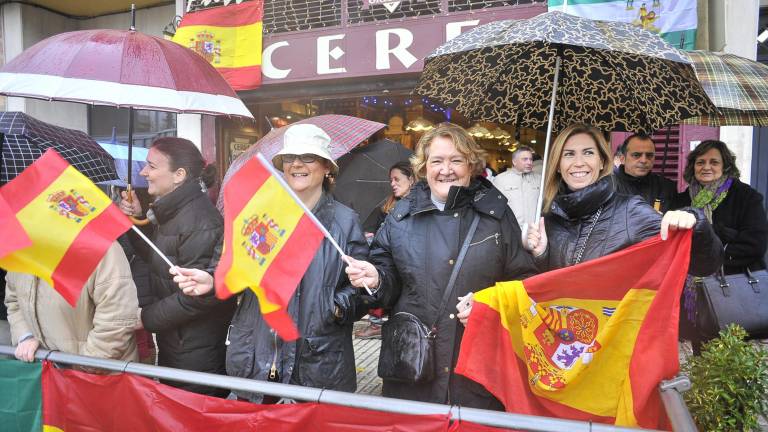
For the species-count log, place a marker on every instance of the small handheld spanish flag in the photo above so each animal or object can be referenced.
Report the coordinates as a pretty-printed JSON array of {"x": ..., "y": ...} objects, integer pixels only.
[
  {"x": 229, "y": 37},
  {"x": 71, "y": 223},
  {"x": 269, "y": 241}
]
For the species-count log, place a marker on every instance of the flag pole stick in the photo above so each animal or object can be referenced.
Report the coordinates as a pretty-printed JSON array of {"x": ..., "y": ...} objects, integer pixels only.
[
  {"x": 152, "y": 245},
  {"x": 279, "y": 176}
]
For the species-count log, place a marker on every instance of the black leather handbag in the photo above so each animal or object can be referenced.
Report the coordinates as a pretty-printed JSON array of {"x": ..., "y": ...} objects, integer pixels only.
[
  {"x": 407, "y": 344},
  {"x": 739, "y": 298}
]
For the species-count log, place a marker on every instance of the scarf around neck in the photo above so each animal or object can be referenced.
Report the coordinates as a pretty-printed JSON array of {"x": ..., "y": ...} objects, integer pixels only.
[{"x": 708, "y": 197}]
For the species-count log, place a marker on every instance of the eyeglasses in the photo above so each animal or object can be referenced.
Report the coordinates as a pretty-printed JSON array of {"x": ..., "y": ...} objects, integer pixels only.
[{"x": 306, "y": 158}]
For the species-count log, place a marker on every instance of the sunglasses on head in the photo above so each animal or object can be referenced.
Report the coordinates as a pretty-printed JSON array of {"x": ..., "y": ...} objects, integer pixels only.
[{"x": 306, "y": 158}]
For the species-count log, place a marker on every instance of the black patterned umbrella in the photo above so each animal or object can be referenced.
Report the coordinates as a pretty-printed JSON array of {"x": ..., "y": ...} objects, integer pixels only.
[
  {"x": 26, "y": 139},
  {"x": 613, "y": 76},
  {"x": 737, "y": 86},
  {"x": 557, "y": 69}
]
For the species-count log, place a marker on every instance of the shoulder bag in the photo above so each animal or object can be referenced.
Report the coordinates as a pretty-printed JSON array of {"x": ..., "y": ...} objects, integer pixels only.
[
  {"x": 407, "y": 344},
  {"x": 740, "y": 298}
]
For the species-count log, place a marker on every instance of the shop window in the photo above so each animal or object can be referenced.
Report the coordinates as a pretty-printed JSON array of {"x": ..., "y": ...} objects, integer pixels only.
[
  {"x": 111, "y": 124},
  {"x": 358, "y": 13},
  {"x": 465, "y": 5}
]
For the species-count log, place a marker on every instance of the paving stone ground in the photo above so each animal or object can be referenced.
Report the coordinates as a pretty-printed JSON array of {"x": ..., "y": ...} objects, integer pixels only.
[{"x": 366, "y": 361}]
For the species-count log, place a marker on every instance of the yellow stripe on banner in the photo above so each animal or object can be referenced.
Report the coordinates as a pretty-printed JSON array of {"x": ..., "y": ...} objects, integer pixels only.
[
  {"x": 256, "y": 231},
  {"x": 53, "y": 220},
  {"x": 223, "y": 47},
  {"x": 49, "y": 428},
  {"x": 597, "y": 385}
]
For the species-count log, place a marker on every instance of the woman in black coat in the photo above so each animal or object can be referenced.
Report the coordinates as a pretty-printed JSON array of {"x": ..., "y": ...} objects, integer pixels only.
[
  {"x": 734, "y": 208},
  {"x": 186, "y": 227},
  {"x": 413, "y": 254},
  {"x": 324, "y": 305},
  {"x": 586, "y": 219}
]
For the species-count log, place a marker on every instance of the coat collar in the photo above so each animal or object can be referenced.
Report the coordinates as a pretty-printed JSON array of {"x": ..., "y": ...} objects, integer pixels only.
[
  {"x": 167, "y": 207},
  {"x": 480, "y": 195},
  {"x": 619, "y": 172},
  {"x": 583, "y": 202}
]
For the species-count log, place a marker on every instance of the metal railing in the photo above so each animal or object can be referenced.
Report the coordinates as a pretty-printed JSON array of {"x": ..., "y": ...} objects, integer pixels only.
[{"x": 673, "y": 402}]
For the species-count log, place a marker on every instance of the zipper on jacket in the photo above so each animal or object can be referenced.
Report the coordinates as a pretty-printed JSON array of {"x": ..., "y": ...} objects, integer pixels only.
[
  {"x": 226, "y": 340},
  {"x": 492, "y": 236},
  {"x": 273, "y": 369}
]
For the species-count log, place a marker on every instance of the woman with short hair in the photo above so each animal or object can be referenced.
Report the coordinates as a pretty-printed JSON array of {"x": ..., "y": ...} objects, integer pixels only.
[{"x": 414, "y": 253}]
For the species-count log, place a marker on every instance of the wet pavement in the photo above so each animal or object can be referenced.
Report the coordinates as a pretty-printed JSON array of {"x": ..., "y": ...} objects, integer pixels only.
[{"x": 367, "y": 361}]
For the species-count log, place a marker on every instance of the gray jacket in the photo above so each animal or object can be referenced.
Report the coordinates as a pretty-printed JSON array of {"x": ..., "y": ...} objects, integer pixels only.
[{"x": 322, "y": 356}]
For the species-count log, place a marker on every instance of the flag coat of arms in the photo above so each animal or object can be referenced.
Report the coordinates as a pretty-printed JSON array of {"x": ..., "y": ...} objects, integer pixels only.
[
  {"x": 229, "y": 37},
  {"x": 587, "y": 342},
  {"x": 269, "y": 241},
  {"x": 71, "y": 223}
]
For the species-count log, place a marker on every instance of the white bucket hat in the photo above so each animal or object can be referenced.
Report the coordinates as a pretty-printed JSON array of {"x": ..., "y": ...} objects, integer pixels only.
[{"x": 305, "y": 139}]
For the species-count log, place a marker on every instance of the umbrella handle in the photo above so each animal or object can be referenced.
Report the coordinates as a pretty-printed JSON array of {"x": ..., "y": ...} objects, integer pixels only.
[{"x": 135, "y": 220}]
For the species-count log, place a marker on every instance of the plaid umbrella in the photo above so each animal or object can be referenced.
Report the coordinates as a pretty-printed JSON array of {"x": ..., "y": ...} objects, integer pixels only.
[
  {"x": 614, "y": 76},
  {"x": 737, "y": 86},
  {"x": 346, "y": 133},
  {"x": 26, "y": 139}
]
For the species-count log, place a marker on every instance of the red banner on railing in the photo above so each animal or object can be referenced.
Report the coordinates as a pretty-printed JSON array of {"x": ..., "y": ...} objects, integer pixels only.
[{"x": 78, "y": 401}]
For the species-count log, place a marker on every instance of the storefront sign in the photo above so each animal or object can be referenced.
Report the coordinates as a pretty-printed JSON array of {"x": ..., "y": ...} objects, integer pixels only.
[{"x": 371, "y": 49}]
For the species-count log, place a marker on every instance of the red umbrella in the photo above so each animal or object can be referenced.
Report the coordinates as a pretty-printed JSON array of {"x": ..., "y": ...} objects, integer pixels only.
[
  {"x": 122, "y": 68},
  {"x": 346, "y": 133}
]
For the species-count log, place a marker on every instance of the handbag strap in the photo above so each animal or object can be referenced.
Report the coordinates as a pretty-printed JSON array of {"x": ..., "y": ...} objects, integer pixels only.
[{"x": 455, "y": 272}]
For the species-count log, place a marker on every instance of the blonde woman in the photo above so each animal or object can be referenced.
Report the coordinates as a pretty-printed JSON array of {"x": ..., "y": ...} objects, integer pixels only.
[
  {"x": 586, "y": 219},
  {"x": 416, "y": 250}
]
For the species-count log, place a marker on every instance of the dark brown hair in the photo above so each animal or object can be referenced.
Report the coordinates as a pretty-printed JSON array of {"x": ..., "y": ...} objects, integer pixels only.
[
  {"x": 407, "y": 170},
  {"x": 729, "y": 159},
  {"x": 182, "y": 153}
]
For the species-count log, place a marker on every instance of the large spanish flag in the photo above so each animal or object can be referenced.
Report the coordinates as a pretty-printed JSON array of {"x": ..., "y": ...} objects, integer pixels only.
[
  {"x": 229, "y": 37},
  {"x": 70, "y": 222},
  {"x": 588, "y": 342},
  {"x": 269, "y": 242},
  {"x": 11, "y": 232}
]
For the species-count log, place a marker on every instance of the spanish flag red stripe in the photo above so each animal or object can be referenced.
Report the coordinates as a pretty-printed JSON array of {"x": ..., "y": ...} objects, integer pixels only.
[
  {"x": 11, "y": 232},
  {"x": 227, "y": 16},
  {"x": 279, "y": 280},
  {"x": 85, "y": 253},
  {"x": 37, "y": 177},
  {"x": 242, "y": 78}
]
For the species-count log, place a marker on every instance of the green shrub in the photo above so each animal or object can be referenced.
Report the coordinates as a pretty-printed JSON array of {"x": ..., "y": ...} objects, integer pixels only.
[{"x": 729, "y": 383}]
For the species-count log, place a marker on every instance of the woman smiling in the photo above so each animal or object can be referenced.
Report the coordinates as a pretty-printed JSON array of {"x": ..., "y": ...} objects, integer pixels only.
[{"x": 585, "y": 219}]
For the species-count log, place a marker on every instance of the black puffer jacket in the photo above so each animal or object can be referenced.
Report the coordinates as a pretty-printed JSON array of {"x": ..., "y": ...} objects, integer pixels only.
[
  {"x": 624, "y": 220},
  {"x": 414, "y": 252},
  {"x": 190, "y": 330},
  {"x": 323, "y": 356},
  {"x": 740, "y": 223}
]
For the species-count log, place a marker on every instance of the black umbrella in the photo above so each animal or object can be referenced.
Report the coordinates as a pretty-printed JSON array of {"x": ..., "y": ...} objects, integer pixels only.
[
  {"x": 26, "y": 139},
  {"x": 363, "y": 180}
]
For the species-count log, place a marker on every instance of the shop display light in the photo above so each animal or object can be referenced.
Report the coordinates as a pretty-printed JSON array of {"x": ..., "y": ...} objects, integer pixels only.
[
  {"x": 478, "y": 131},
  {"x": 420, "y": 124}
]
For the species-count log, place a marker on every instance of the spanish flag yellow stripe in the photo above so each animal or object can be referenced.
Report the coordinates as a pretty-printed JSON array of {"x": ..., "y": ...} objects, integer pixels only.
[
  {"x": 52, "y": 230},
  {"x": 232, "y": 47},
  {"x": 244, "y": 268}
]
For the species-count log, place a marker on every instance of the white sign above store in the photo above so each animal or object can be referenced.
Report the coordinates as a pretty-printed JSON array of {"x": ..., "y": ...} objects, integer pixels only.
[{"x": 372, "y": 49}]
